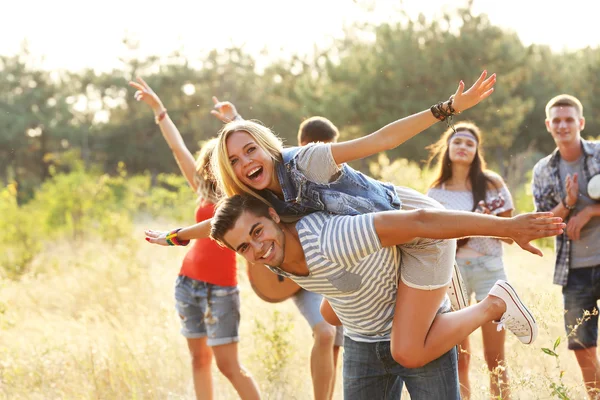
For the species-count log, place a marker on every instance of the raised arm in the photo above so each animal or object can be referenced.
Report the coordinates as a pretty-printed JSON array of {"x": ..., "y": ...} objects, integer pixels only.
[
  {"x": 185, "y": 159},
  {"x": 398, "y": 227},
  {"x": 398, "y": 132}
]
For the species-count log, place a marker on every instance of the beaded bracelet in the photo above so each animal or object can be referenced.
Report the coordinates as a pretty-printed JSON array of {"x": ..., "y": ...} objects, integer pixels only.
[
  {"x": 173, "y": 240},
  {"x": 568, "y": 207}
]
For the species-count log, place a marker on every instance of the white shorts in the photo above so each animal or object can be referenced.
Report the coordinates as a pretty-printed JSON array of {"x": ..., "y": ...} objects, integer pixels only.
[{"x": 426, "y": 263}]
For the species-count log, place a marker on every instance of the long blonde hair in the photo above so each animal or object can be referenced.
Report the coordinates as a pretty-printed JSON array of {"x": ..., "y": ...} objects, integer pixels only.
[
  {"x": 204, "y": 178},
  {"x": 228, "y": 183}
]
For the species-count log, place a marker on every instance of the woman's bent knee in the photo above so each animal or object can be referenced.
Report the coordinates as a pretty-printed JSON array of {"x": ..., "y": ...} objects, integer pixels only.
[{"x": 408, "y": 358}]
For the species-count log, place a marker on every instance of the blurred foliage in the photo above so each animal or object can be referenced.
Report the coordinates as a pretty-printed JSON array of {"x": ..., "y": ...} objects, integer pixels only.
[{"x": 80, "y": 205}]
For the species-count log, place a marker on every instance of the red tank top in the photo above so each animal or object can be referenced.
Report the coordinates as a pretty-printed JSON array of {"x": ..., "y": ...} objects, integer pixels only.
[{"x": 206, "y": 260}]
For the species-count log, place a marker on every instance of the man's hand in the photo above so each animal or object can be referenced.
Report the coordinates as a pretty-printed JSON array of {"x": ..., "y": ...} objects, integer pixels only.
[
  {"x": 530, "y": 226},
  {"x": 156, "y": 237},
  {"x": 572, "y": 189},
  {"x": 577, "y": 222},
  {"x": 480, "y": 90},
  {"x": 224, "y": 110}
]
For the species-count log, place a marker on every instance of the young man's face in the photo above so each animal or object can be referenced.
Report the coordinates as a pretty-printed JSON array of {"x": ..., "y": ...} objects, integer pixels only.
[
  {"x": 258, "y": 239},
  {"x": 564, "y": 124}
]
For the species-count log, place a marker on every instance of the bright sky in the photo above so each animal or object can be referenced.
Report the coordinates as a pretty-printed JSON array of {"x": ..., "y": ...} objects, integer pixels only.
[{"x": 73, "y": 34}]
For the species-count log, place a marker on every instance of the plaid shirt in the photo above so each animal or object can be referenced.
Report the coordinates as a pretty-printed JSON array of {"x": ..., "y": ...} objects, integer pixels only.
[{"x": 549, "y": 190}]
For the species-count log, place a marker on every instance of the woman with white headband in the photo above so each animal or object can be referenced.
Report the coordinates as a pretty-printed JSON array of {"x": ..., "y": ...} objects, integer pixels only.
[{"x": 463, "y": 183}]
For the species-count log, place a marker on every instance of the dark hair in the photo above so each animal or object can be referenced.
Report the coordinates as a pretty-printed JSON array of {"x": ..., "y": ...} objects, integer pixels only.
[
  {"x": 477, "y": 172},
  {"x": 230, "y": 209},
  {"x": 317, "y": 129}
]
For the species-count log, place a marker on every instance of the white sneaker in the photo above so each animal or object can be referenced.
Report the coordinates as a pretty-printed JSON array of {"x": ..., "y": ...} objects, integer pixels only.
[
  {"x": 517, "y": 318},
  {"x": 457, "y": 291}
]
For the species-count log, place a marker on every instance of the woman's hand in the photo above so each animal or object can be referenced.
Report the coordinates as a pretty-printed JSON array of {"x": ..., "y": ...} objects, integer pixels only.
[
  {"x": 482, "y": 208},
  {"x": 224, "y": 110},
  {"x": 156, "y": 237},
  {"x": 480, "y": 90},
  {"x": 146, "y": 94}
]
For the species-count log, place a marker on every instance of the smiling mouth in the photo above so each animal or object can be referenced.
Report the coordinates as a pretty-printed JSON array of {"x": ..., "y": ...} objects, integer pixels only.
[
  {"x": 255, "y": 173},
  {"x": 268, "y": 253}
]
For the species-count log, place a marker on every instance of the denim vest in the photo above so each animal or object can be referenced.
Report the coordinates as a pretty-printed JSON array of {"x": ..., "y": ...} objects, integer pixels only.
[{"x": 352, "y": 193}]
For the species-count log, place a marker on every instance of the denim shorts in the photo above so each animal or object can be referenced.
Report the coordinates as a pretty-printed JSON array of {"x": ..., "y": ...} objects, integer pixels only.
[
  {"x": 208, "y": 310},
  {"x": 480, "y": 274},
  {"x": 581, "y": 294},
  {"x": 370, "y": 373},
  {"x": 309, "y": 304}
]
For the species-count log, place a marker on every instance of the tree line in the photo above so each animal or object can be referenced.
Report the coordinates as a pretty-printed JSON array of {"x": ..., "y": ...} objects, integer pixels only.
[{"x": 372, "y": 76}]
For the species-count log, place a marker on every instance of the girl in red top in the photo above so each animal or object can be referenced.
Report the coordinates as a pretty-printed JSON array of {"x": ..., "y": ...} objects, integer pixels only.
[{"x": 206, "y": 293}]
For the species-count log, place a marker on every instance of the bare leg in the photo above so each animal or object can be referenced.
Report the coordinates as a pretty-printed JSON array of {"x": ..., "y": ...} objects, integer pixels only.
[
  {"x": 201, "y": 368},
  {"x": 420, "y": 335},
  {"x": 493, "y": 350},
  {"x": 590, "y": 369},
  {"x": 336, "y": 352},
  {"x": 322, "y": 365},
  {"x": 328, "y": 314},
  {"x": 229, "y": 365},
  {"x": 464, "y": 360}
]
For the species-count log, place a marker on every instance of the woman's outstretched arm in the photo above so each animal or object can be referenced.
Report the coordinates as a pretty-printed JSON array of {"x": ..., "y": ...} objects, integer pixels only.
[{"x": 398, "y": 132}]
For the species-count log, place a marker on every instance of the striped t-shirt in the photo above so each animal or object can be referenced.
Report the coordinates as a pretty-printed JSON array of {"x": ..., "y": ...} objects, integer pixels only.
[{"x": 348, "y": 266}]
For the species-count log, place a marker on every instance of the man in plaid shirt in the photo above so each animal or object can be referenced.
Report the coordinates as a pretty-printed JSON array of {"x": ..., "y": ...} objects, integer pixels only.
[{"x": 560, "y": 185}]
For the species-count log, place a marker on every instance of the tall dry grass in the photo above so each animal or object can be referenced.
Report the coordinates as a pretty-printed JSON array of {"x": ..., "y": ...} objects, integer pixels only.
[{"x": 97, "y": 321}]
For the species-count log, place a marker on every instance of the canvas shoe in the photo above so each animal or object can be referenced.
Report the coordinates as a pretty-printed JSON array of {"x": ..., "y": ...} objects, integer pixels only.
[
  {"x": 457, "y": 291},
  {"x": 517, "y": 317}
]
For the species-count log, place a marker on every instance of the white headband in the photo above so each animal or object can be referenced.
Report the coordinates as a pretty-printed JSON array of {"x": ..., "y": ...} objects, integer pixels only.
[{"x": 464, "y": 134}]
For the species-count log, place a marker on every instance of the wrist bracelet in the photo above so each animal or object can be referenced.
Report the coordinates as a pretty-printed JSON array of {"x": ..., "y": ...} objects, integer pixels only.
[
  {"x": 446, "y": 114},
  {"x": 173, "y": 240},
  {"x": 450, "y": 108},
  {"x": 568, "y": 207},
  {"x": 435, "y": 110},
  {"x": 160, "y": 116}
]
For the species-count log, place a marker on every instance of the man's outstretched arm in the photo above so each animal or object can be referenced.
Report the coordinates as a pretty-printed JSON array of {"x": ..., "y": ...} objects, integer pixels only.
[{"x": 398, "y": 227}]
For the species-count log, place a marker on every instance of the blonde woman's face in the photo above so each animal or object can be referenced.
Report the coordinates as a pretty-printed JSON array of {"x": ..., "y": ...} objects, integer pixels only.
[
  {"x": 251, "y": 164},
  {"x": 462, "y": 148}
]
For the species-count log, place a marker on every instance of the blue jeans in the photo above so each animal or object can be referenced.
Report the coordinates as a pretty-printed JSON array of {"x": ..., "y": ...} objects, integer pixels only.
[
  {"x": 370, "y": 373},
  {"x": 581, "y": 294},
  {"x": 208, "y": 310}
]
